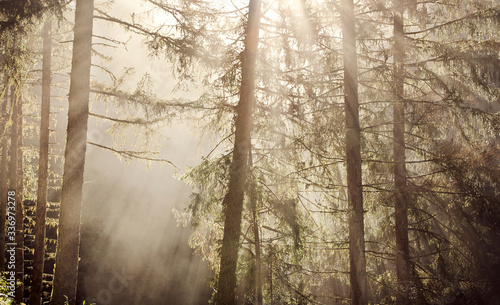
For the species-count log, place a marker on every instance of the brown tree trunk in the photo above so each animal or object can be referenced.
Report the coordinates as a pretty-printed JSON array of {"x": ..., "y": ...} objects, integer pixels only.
[
  {"x": 14, "y": 188},
  {"x": 256, "y": 236},
  {"x": 20, "y": 205},
  {"x": 68, "y": 243},
  {"x": 401, "y": 198},
  {"x": 43, "y": 170},
  {"x": 258, "y": 261},
  {"x": 353, "y": 158},
  {"x": 271, "y": 287},
  {"x": 233, "y": 201},
  {"x": 3, "y": 178}
]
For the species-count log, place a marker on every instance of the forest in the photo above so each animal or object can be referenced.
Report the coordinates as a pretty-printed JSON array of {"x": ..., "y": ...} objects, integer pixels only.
[{"x": 242, "y": 152}]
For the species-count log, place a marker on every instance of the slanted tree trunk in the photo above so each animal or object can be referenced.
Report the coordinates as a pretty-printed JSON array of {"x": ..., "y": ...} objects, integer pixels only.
[
  {"x": 3, "y": 177},
  {"x": 68, "y": 243},
  {"x": 233, "y": 201},
  {"x": 43, "y": 171},
  {"x": 353, "y": 158},
  {"x": 401, "y": 198}
]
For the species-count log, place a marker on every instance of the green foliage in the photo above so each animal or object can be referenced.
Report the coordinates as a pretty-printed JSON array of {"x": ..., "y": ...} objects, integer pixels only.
[
  {"x": 83, "y": 303},
  {"x": 4, "y": 300},
  {"x": 18, "y": 15}
]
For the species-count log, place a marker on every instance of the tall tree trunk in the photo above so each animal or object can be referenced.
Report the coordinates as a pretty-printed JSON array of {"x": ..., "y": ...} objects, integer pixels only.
[
  {"x": 258, "y": 261},
  {"x": 13, "y": 161},
  {"x": 401, "y": 199},
  {"x": 14, "y": 184},
  {"x": 271, "y": 287},
  {"x": 68, "y": 243},
  {"x": 3, "y": 177},
  {"x": 43, "y": 169},
  {"x": 256, "y": 236},
  {"x": 233, "y": 201},
  {"x": 20, "y": 205},
  {"x": 353, "y": 157}
]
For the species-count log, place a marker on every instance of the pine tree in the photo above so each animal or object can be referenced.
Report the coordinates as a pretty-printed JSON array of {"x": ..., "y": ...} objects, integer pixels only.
[
  {"x": 401, "y": 196},
  {"x": 359, "y": 289},
  {"x": 3, "y": 173},
  {"x": 43, "y": 168},
  {"x": 65, "y": 277},
  {"x": 233, "y": 200}
]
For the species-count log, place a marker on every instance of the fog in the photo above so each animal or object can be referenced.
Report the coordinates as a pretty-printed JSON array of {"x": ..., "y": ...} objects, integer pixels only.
[
  {"x": 252, "y": 152},
  {"x": 133, "y": 251}
]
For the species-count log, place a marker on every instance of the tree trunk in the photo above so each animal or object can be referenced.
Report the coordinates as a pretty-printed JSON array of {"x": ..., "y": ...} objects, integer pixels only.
[
  {"x": 14, "y": 187},
  {"x": 233, "y": 201},
  {"x": 271, "y": 290},
  {"x": 43, "y": 168},
  {"x": 258, "y": 261},
  {"x": 401, "y": 199},
  {"x": 256, "y": 236},
  {"x": 20, "y": 204},
  {"x": 3, "y": 178},
  {"x": 68, "y": 243},
  {"x": 353, "y": 158}
]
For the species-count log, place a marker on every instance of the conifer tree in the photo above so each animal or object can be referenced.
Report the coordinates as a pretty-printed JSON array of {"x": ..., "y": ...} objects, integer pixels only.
[
  {"x": 3, "y": 173},
  {"x": 43, "y": 170},
  {"x": 233, "y": 200},
  {"x": 359, "y": 289},
  {"x": 68, "y": 243},
  {"x": 401, "y": 196}
]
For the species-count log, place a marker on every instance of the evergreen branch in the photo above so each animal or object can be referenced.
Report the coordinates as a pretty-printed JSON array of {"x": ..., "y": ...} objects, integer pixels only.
[
  {"x": 127, "y": 154},
  {"x": 471, "y": 15},
  {"x": 135, "y": 121}
]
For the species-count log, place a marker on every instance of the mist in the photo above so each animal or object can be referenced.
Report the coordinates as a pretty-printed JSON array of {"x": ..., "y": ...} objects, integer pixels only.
[{"x": 250, "y": 152}]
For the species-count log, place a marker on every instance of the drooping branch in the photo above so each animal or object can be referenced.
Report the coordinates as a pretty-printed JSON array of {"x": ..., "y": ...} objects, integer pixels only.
[{"x": 129, "y": 154}]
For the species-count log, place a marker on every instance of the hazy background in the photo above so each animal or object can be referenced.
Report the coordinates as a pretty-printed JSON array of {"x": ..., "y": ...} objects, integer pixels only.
[{"x": 132, "y": 249}]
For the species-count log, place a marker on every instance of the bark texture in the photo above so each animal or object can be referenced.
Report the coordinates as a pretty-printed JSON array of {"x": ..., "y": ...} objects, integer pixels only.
[
  {"x": 3, "y": 178},
  {"x": 401, "y": 198},
  {"x": 68, "y": 243},
  {"x": 15, "y": 185},
  {"x": 256, "y": 236},
  {"x": 233, "y": 200},
  {"x": 353, "y": 158},
  {"x": 43, "y": 172},
  {"x": 20, "y": 205}
]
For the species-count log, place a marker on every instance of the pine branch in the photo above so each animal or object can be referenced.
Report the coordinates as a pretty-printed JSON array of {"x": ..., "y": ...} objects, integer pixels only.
[
  {"x": 135, "y": 121},
  {"x": 127, "y": 154}
]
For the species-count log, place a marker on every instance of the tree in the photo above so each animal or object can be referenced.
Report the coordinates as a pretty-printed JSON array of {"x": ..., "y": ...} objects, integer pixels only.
[
  {"x": 3, "y": 174},
  {"x": 20, "y": 203},
  {"x": 65, "y": 277},
  {"x": 256, "y": 236},
  {"x": 401, "y": 197},
  {"x": 15, "y": 185},
  {"x": 233, "y": 200},
  {"x": 359, "y": 290},
  {"x": 43, "y": 168},
  {"x": 16, "y": 15}
]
